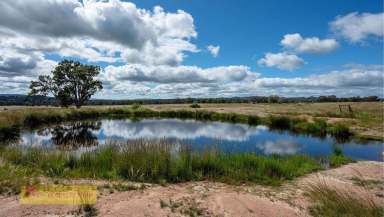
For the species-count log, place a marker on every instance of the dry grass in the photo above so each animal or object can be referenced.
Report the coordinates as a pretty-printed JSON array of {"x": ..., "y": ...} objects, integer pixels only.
[{"x": 330, "y": 201}]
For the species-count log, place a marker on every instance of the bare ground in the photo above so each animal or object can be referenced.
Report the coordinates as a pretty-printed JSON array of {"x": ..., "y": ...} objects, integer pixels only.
[{"x": 216, "y": 199}]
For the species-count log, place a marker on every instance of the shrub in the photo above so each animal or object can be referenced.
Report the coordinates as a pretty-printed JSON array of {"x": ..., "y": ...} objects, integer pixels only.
[
  {"x": 338, "y": 159},
  {"x": 195, "y": 105},
  {"x": 279, "y": 122}
]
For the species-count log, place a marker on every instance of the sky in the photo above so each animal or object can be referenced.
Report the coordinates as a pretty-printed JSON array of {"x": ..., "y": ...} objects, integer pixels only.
[{"x": 199, "y": 48}]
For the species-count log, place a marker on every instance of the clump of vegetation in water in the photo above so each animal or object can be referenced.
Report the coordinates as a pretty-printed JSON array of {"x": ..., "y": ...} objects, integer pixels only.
[
  {"x": 338, "y": 159},
  {"x": 150, "y": 161},
  {"x": 340, "y": 131},
  {"x": 9, "y": 133},
  {"x": 280, "y": 122},
  {"x": 332, "y": 202}
]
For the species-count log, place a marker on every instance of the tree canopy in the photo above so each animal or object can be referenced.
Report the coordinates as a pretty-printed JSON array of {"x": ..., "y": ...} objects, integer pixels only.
[{"x": 71, "y": 83}]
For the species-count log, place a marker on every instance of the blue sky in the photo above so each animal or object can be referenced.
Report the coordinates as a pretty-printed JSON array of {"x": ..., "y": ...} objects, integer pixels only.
[
  {"x": 247, "y": 29},
  {"x": 334, "y": 47}
]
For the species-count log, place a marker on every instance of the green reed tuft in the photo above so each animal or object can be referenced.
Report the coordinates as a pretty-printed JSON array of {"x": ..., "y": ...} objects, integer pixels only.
[{"x": 158, "y": 161}]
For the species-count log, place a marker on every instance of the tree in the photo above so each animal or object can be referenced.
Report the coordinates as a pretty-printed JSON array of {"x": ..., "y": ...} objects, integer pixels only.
[{"x": 71, "y": 83}]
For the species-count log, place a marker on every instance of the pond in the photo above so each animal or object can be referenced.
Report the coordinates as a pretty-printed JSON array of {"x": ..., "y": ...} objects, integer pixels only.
[{"x": 227, "y": 137}]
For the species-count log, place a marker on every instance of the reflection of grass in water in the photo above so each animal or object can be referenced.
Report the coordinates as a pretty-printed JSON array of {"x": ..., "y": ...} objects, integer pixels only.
[
  {"x": 332, "y": 202},
  {"x": 159, "y": 161}
]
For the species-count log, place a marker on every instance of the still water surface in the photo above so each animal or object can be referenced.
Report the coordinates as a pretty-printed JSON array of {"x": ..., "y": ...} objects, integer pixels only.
[{"x": 227, "y": 136}]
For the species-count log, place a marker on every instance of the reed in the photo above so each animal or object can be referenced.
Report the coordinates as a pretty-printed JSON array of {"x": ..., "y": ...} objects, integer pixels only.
[{"x": 159, "y": 161}]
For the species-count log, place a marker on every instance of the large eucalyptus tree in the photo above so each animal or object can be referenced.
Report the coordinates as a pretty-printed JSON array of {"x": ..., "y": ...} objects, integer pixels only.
[{"x": 71, "y": 83}]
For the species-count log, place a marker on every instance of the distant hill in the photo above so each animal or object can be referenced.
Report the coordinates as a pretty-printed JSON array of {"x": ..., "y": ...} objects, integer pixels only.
[{"x": 18, "y": 99}]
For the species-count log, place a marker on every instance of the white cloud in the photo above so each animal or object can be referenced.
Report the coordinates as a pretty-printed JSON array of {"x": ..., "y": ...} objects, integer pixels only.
[
  {"x": 308, "y": 45},
  {"x": 178, "y": 74},
  {"x": 214, "y": 50},
  {"x": 357, "y": 27},
  {"x": 355, "y": 80},
  {"x": 109, "y": 31},
  {"x": 282, "y": 61}
]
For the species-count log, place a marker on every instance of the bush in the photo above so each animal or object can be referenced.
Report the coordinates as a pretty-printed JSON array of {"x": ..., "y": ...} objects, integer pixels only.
[
  {"x": 279, "y": 122},
  {"x": 338, "y": 159},
  {"x": 195, "y": 105},
  {"x": 340, "y": 131}
]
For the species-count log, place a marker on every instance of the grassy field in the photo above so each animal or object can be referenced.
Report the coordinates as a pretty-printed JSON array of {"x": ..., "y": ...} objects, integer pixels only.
[{"x": 366, "y": 120}]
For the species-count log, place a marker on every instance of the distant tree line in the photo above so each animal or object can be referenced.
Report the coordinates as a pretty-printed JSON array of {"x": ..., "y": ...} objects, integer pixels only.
[{"x": 13, "y": 99}]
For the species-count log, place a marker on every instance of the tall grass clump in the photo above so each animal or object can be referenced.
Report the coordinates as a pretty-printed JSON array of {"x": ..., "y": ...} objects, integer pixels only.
[
  {"x": 195, "y": 105},
  {"x": 13, "y": 178},
  {"x": 333, "y": 202},
  {"x": 9, "y": 133},
  {"x": 339, "y": 130},
  {"x": 338, "y": 159},
  {"x": 159, "y": 161},
  {"x": 317, "y": 128},
  {"x": 279, "y": 122}
]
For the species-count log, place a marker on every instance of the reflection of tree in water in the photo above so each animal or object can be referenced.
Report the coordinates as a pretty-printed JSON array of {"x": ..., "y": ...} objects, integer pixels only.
[{"x": 74, "y": 134}]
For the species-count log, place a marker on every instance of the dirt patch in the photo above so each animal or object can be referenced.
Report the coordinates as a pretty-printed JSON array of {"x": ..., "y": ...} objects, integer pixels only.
[{"x": 213, "y": 199}]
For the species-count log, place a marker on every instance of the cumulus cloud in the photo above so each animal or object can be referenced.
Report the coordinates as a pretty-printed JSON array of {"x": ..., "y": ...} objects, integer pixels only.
[
  {"x": 14, "y": 63},
  {"x": 282, "y": 61},
  {"x": 362, "y": 80},
  {"x": 214, "y": 50},
  {"x": 357, "y": 27},
  {"x": 308, "y": 45},
  {"x": 178, "y": 74},
  {"x": 98, "y": 30},
  {"x": 356, "y": 80}
]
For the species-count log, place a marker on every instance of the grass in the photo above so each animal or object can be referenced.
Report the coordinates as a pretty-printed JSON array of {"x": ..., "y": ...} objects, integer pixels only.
[
  {"x": 185, "y": 206},
  {"x": 338, "y": 159},
  {"x": 332, "y": 202},
  {"x": 13, "y": 178},
  {"x": 195, "y": 105},
  {"x": 149, "y": 161}
]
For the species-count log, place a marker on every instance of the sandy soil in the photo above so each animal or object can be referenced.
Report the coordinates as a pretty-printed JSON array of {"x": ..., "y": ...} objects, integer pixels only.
[{"x": 215, "y": 199}]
